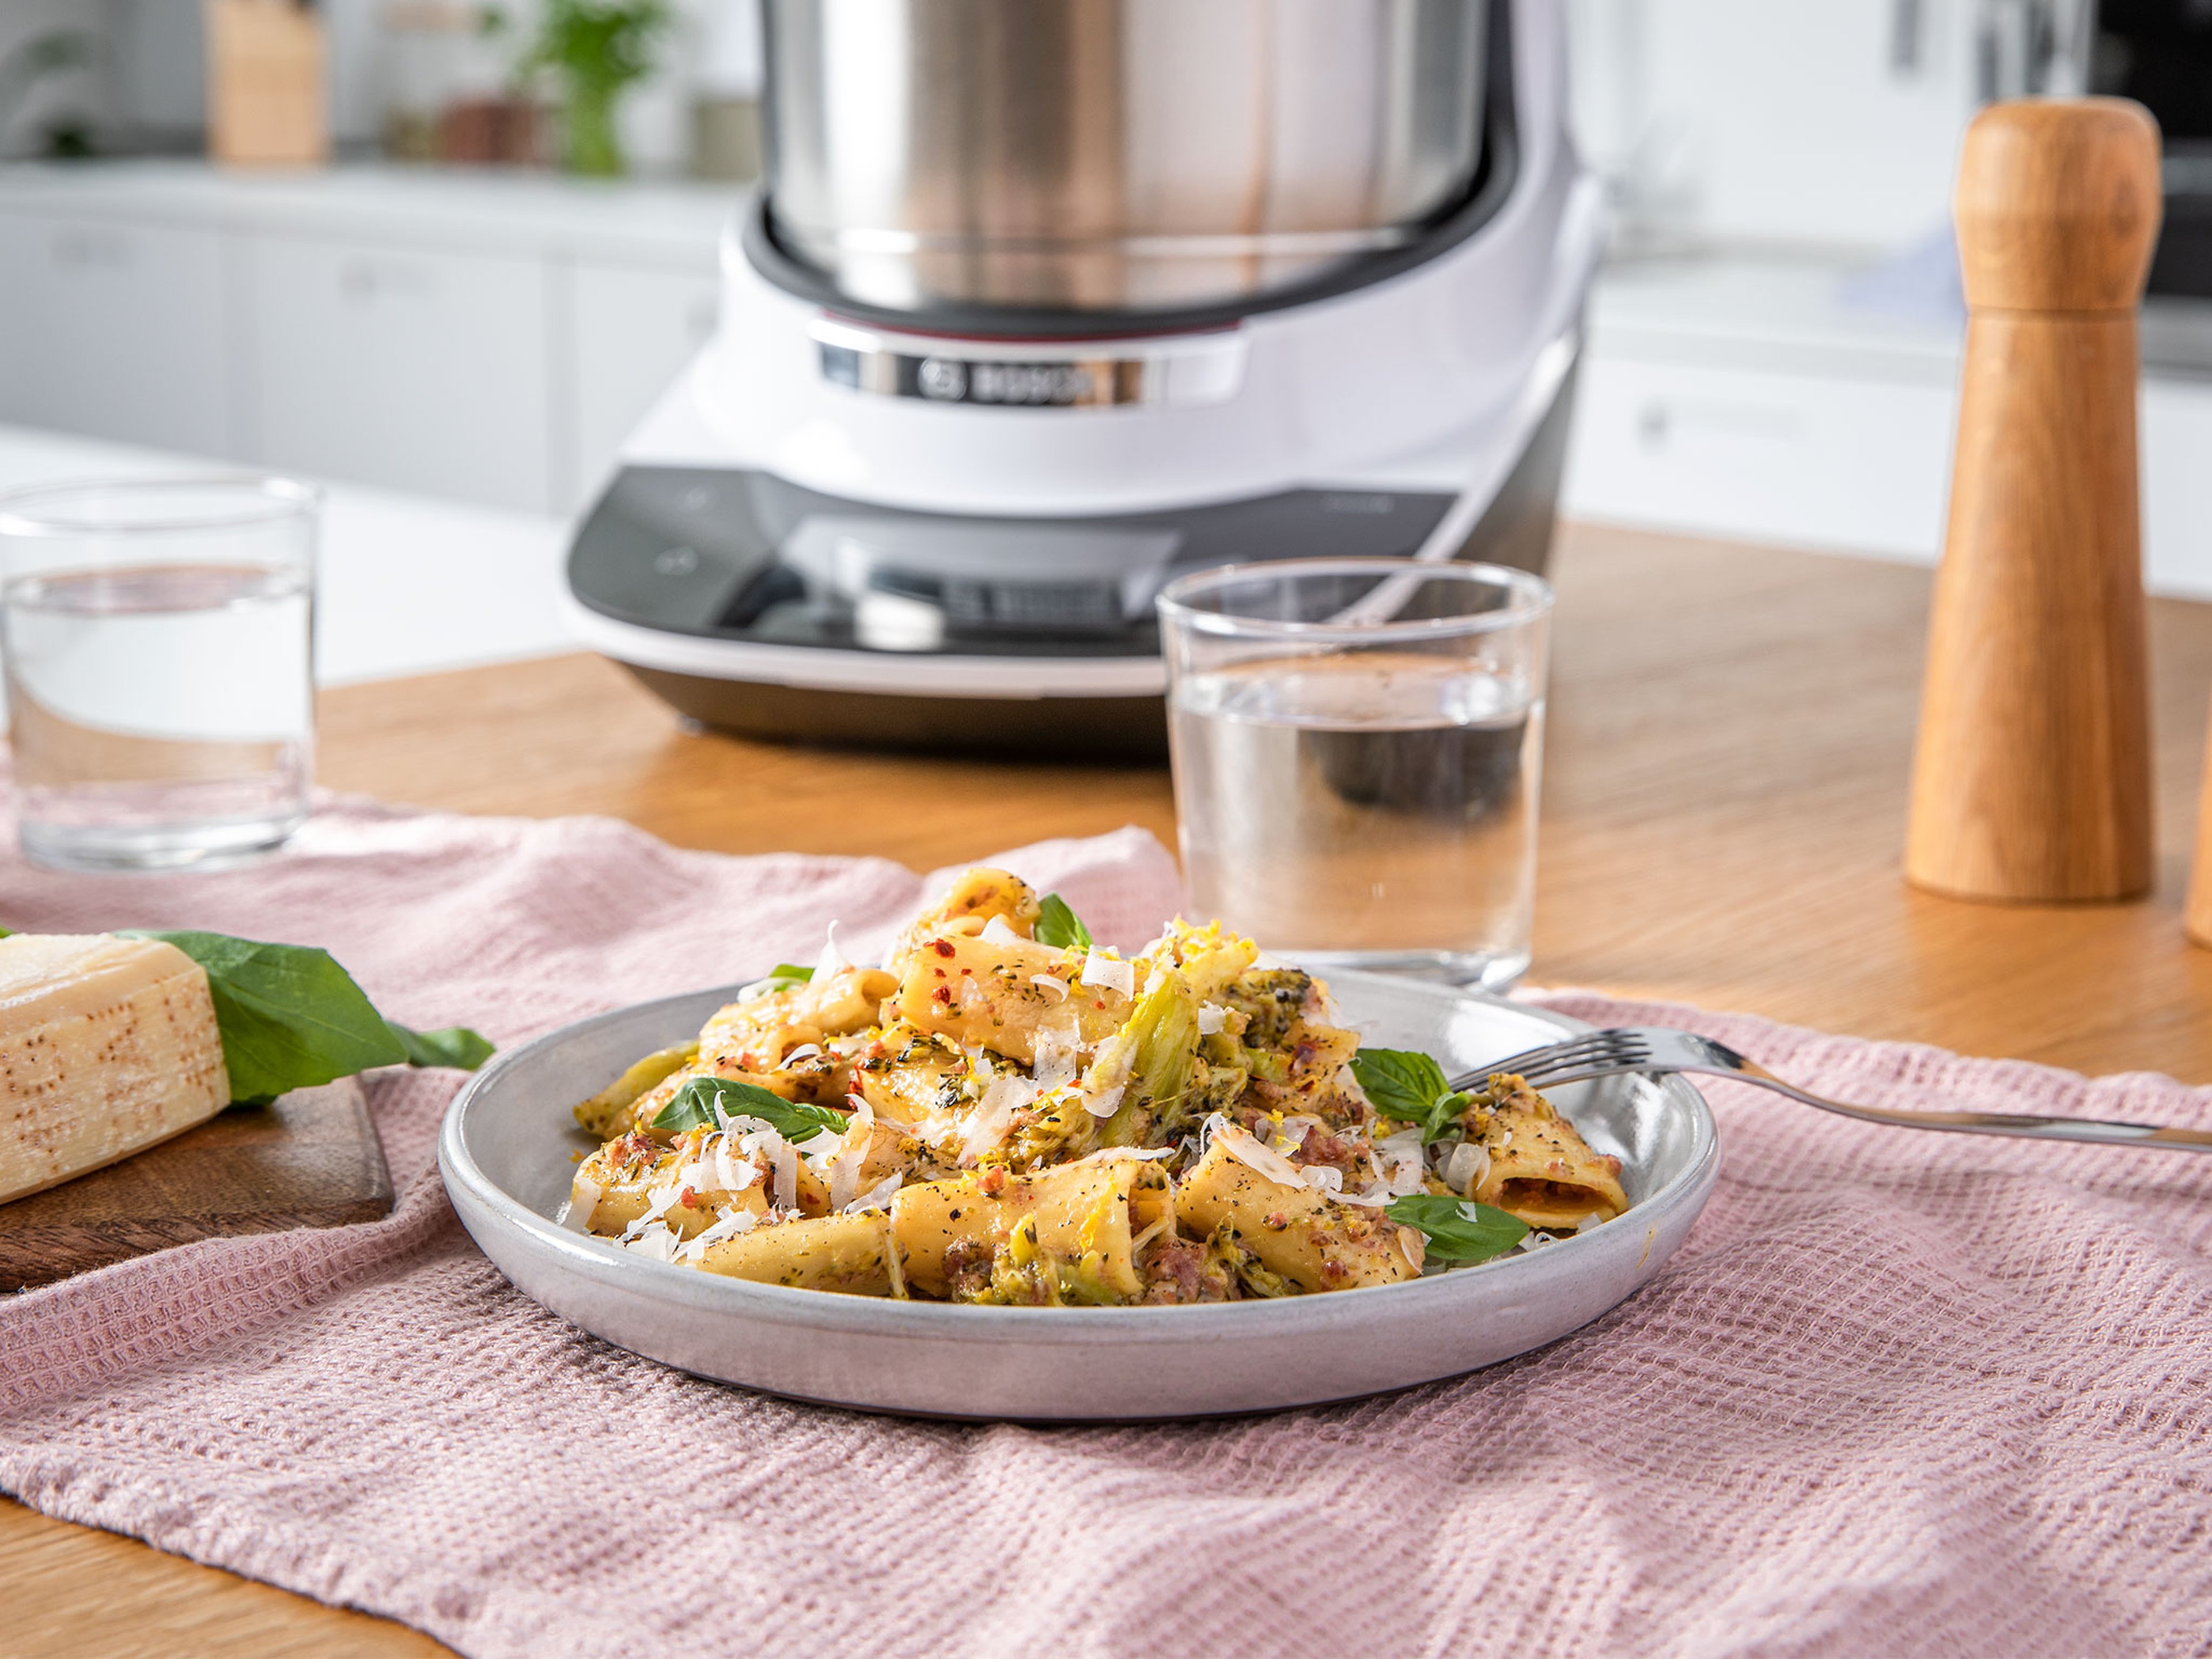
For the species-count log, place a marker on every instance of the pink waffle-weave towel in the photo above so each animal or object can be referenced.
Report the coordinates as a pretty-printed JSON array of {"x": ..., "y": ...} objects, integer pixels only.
[{"x": 1898, "y": 1395}]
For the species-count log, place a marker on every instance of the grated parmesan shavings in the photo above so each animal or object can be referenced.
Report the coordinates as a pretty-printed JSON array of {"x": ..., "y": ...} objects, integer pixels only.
[
  {"x": 1101, "y": 970},
  {"x": 1108, "y": 1079},
  {"x": 1399, "y": 1162},
  {"x": 1376, "y": 1197},
  {"x": 1109, "y": 1154},
  {"x": 1253, "y": 1154},
  {"x": 1055, "y": 1046},
  {"x": 732, "y": 1175},
  {"x": 733, "y": 1223},
  {"x": 1263, "y": 1159},
  {"x": 698, "y": 1177},
  {"x": 782, "y": 1159},
  {"x": 1413, "y": 1247},
  {"x": 879, "y": 1196},
  {"x": 582, "y": 1206},
  {"x": 994, "y": 1121},
  {"x": 844, "y": 1164},
  {"x": 832, "y": 961},
  {"x": 1105, "y": 1102},
  {"x": 1466, "y": 1169}
]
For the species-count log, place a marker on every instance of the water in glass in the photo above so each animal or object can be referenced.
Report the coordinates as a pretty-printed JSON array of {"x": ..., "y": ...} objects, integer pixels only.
[
  {"x": 162, "y": 715},
  {"x": 1366, "y": 806}
]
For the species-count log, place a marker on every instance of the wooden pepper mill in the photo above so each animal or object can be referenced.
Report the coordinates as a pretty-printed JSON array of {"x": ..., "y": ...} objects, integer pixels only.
[
  {"x": 2032, "y": 777},
  {"x": 2198, "y": 921}
]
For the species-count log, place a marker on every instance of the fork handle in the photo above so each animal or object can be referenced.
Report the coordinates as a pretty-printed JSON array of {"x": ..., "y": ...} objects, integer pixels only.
[{"x": 1978, "y": 1123}]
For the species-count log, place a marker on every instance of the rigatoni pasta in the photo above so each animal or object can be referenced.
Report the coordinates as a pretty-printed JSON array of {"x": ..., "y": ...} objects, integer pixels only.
[
  {"x": 1540, "y": 1169},
  {"x": 853, "y": 1254},
  {"x": 1297, "y": 1233},
  {"x": 1007, "y": 1112}
]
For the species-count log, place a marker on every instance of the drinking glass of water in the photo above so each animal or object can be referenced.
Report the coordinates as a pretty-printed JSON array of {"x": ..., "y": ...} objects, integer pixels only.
[
  {"x": 1357, "y": 746},
  {"x": 158, "y": 640}
]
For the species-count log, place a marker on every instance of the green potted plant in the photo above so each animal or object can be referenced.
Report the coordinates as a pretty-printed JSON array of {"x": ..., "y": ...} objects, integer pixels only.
[{"x": 595, "y": 49}]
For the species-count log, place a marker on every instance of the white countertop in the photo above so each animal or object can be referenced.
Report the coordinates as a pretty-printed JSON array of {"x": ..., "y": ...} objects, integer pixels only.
[
  {"x": 498, "y": 209},
  {"x": 404, "y": 585}
]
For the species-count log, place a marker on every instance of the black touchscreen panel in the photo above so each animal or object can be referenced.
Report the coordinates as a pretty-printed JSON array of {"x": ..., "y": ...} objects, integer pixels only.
[{"x": 745, "y": 556}]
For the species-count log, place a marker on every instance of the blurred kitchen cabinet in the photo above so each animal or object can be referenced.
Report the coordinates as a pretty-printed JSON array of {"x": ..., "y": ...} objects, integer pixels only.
[
  {"x": 631, "y": 331},
  {"x": 119, "y": 330},
  {"x": 1761, "y": 399},
  {"x": 422, "y": 371},
  {"x": 487, "y": 337},
  {"x": 1778, "y": 402},
  {"x": 1833, "y": 461},
  {"x": 2174, "y": 428}
]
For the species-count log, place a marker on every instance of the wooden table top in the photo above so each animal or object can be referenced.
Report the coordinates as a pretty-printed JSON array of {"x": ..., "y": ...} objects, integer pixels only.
[{"x": 1724, "y": 814}]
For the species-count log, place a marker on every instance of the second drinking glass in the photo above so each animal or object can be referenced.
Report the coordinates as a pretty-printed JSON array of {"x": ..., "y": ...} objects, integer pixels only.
[
  {"x": 1357, "y": 745},
  {"x": 159, "y": 640}
]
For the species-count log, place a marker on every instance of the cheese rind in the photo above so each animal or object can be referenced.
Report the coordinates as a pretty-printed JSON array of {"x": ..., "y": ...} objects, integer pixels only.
[{"x": 106, "y": 1046}]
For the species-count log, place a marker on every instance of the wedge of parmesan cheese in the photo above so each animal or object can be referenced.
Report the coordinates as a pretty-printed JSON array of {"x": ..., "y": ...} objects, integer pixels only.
[{"x": 106, "y": 1046}]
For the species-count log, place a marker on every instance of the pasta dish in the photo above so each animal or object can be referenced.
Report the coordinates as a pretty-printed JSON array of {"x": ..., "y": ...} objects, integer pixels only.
[{"x": 1007, "y": 1112}]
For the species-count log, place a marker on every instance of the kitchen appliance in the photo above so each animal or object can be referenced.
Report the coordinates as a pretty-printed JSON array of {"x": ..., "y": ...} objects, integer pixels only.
[
  {"x": 1040, "y": 306},
  {"x": 2158, "y": 53}
]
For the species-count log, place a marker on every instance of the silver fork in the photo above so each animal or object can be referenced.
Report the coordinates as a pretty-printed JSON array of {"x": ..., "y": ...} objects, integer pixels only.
[{"x": 1656, "y": 1050}]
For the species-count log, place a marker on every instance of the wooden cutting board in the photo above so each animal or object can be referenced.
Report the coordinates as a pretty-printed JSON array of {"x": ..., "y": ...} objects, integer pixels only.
[{"x": 310, "y": 1160}]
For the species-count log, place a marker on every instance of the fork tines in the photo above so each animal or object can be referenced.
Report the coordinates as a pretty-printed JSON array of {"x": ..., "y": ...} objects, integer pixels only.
[{"x": 1595, "y": 1052}]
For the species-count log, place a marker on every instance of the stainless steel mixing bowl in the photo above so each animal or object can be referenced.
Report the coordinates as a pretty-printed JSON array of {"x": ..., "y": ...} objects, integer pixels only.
[{"x": 1114, "y": 155}]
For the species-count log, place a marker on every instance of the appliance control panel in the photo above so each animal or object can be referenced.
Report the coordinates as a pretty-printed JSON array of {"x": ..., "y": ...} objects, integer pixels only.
[{"x": 742, "y": 554}]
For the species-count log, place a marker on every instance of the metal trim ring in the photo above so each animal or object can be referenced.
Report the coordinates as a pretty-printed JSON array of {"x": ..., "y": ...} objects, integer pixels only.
[
  {"x": 1031, "y": 375},
  {"x": 1254, "y": 245},
  {"x": 1059, "y": 383}
]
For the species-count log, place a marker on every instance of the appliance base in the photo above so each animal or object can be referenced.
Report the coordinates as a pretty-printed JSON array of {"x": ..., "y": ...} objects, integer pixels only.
[
  {"x": 1128, "y": 730},
  {"x": 1515, "y": 529}
]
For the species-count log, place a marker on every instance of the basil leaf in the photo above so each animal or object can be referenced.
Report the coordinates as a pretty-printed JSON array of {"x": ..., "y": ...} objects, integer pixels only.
[
  {"x": 454, "y": 1045},
  {"x": 1411, "y": 1087},
  {"x": 687, "y": 1109},
  {"x": 1459, "y": 1232},
  {"x": 1057, "y": 924},
  {"x": 782, "y": 977},
  {"x": 1403, "y": 1083},
  {"x": 290, "y": 1016},
  {"x": 692, "y": 1107}
]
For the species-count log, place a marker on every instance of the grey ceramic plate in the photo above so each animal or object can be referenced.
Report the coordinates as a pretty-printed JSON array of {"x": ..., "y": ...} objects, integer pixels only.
[{"x": 506, "y": 1154}]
